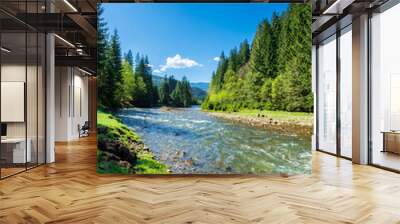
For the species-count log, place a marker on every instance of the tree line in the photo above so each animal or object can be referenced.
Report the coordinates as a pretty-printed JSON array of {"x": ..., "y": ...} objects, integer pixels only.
[
  {"x": 175, "y": 93},
  {"x": 274, "y": 73},
  {"x": 125, "y": 81}
]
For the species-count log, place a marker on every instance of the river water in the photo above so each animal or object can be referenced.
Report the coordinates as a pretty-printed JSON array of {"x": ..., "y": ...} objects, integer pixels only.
[{"x": 191, "y": 141}]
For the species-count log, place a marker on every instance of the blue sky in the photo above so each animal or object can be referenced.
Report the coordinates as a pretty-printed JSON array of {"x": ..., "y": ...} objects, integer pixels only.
[{"x": 185, "y": 39}]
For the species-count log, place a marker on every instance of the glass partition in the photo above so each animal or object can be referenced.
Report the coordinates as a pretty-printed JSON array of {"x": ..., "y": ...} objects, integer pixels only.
[
  {"x": 327, "y": 95},
  {"x": 41, "y": 97},
  {"x": 385, "y": 89},
  {"x": 22, "y": 88},
  {"x": 346, "y": 92},
  {"x": 32, "y": 98},
  {"x": 14, "y": 155}
]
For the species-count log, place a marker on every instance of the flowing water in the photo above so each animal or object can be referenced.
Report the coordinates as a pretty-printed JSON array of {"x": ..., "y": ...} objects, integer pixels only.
[{"x": 191, "y": 141}]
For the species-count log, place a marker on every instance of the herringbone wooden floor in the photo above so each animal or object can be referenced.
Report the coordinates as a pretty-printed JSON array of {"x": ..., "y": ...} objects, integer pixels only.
[{"x": 70, "y": 191}]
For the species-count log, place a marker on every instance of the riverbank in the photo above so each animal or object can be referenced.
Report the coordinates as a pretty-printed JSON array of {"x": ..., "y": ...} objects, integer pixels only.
[
  {"x": 120, "y": 149},
  {"x": 285, "y": 122}
]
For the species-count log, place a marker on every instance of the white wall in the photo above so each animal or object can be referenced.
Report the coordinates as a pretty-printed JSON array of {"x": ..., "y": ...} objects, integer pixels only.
[
  {"x": 71, "y": 94},
  {"x": 62, "y": 81},
  {"x": 10, "y": 73}
]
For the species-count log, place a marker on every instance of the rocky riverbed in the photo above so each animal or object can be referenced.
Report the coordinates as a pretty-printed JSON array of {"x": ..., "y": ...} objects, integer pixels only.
[{"x": 304, "y": 128}]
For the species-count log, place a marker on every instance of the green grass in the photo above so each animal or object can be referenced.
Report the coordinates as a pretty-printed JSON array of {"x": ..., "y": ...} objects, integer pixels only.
[
  {"x": 113, "y": 129},
  {"x": 147, "y": 165},
  {"x": 111, "y": 167},
  {"x": 116, "y": 128},
  {"x": 282, "y": 116}
]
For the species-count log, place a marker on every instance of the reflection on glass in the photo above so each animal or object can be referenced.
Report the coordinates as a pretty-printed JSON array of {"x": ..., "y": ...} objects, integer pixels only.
[
  {"x": 346, "y": 92},
  {"x": 31, "y": 100},
  {"x": 41, "y": 99},
  {"x": 327, "y": 95},
  {"x": 14, "y": 153}
]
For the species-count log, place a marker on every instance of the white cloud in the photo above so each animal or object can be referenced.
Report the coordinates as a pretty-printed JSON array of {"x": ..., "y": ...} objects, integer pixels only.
[
  {"x": 178, "y": 62},
  {"x": 217, "y": 59},
  {"x": 157, "y": 71}
]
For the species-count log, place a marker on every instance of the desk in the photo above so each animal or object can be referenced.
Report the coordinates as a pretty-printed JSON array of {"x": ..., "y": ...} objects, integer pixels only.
[
  {"x": 16, "y": 147},
  {"x": 391, "y": 141}
]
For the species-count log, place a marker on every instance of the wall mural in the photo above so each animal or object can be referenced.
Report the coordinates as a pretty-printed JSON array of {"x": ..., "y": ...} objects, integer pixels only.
[{"x": 204, "y": 88}]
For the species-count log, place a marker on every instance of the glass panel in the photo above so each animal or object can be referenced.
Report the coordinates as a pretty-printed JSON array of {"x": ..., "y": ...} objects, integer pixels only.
[
  {"x": 385, "y": 84},
  {"x": 346, "y": 92},
  {"x": 23, "y": 90},
  {"x": 41, "y": 99},
  {"x": 327, "y": 95},
  {"x": 13, "y": 86},
  {"x": 31, "y": 98}
]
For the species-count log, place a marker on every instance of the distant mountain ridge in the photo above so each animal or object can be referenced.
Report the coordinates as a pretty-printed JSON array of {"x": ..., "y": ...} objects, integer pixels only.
[{"x": 200, "y": 85}]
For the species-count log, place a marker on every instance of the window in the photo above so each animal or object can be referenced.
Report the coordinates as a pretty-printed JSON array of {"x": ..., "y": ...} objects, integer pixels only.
[
  {"x": 346, "y": 92},
  {"x": 385, "y": 89},
  {"x": 327, "y": 95}
]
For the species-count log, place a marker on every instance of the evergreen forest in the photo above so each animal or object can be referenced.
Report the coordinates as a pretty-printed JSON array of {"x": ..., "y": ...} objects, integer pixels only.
[{"x": 273, "y": 73}]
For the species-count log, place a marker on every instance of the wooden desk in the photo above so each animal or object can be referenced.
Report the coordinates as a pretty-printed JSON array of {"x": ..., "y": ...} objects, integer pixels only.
[
  {"x": 391, "y": 141},
  {"x": 13, "y": 150}
]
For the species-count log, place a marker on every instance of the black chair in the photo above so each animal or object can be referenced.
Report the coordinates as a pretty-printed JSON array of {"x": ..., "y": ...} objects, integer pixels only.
[{"x": 84, "y": 130}]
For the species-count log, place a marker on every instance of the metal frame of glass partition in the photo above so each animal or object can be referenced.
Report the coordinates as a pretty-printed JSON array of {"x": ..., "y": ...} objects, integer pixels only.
[
  {"x": 42, "y": 120},
  {"x": 338, "y": 153}
]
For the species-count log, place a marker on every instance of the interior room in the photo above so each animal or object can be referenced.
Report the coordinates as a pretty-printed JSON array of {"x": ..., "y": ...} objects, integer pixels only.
[
  {"x": 47, "y": 82},
  {"x": 22, "y": 100},
  {"x": 48, "y": 118}
]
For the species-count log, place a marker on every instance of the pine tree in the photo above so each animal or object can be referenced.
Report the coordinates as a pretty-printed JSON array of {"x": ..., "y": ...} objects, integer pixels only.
[
  {"x": 276, "y": 28},
  {"x": 244, "y": 53},
  {"x": 143, "y": 70},
  {"x": 112, "y": 88},
  {"x": 129, "y": 57},
  {"x": 186, "y": 92},
  {"x": 128, "y": 84},
  {"x": 218, "y": 80},
  {"x": 164, "y": 92},
  {"x": 171, "y": 84},
  {"x": 176, "y": 95},
  {"x": 259, "y": 58},
  {"x": 139, "y": 91},
  {"x": 234, "y": 60},
  {"x": 102, "y": 45}
]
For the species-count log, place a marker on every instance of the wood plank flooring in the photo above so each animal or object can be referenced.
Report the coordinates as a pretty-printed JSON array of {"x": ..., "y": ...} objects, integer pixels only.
[{"x": 70, "y": 191}]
